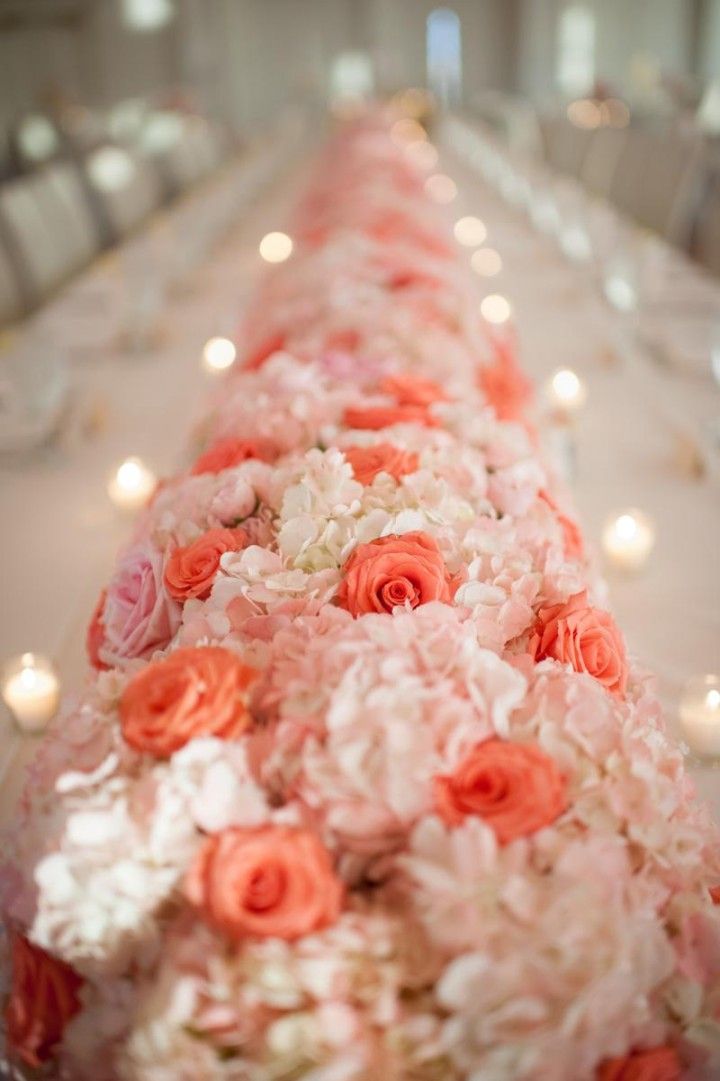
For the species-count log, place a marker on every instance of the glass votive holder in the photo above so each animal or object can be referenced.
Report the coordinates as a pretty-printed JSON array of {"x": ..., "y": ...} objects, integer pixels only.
[
  {"x": 628, "y": 539},
  {"x": 699, "y": 714},
  {"x": 31, "y": 691}
]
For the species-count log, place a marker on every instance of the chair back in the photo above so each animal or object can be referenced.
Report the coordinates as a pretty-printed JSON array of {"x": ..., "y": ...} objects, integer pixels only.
[
  {"x": 658, "y": 181},
  {"x": 50, "y": 227},
  {"x": 601, "y": 161},
  {"x": 127, "y": 186},
  {"x": 565, "y": 144}
]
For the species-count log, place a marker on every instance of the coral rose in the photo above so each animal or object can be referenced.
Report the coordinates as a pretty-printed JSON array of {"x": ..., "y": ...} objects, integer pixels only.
[
  {"x": 374, "y": 417},
  {"x": 411, "y": 390},
  {"x": 43, "y": 998},
  {"x": 273, "y": 881},
  {"x": 515, "y": 787},
  {"x": 264, "y": 351},
  {"x": 658, "y": 1064},
  {"x": 190, "y": 571},
  {"x": 193, "y": 692},
  {"x": 396, "y": 571},
  {"x": 574, "y": 546},
  {"x": 585, "y": 638},
  {"x": 504, "y": 384},
  {"x": 406, "y": 278},
  {"x": 367, "y": 462},
  {"x": 226, "y": 453}
]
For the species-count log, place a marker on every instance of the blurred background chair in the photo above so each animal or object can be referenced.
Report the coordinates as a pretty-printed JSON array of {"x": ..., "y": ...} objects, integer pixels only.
[
  {"x": 706, "y": 236},
  {"x": 50, "y": 225},
  {"x": 11, "y": 301},
  {"x": 183, "y": 148},
  {"x": 126, "y": 187},
  {"x": 566, "y": 145},
  {"x": 602, "y": 158},
  {"x": 658, "y": 179}
]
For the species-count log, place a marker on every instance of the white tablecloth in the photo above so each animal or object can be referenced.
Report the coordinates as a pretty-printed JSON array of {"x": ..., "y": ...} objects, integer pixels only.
[{"x": 60, "y": 532}]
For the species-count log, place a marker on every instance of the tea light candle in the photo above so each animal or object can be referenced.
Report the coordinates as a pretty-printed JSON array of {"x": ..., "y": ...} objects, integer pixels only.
[
  {"x": 496, "y": 309},
  {"x": 486, "y": 262},
  {"x": 628, "y": 539},
  {"x": 422, "y": 154},
  {"x": 132, "y": 485},
  {"x": 470, "y": 231},
  {"x": 566, "y": 391},
  {"x": 575, "y": 243},
  {"x": 276, "y": 247},
  {"x": 441, "y": 188},
  {"x": 31, "y": 691},
  {"x": 219, "y": 354},
  {"x": 700, "y": 715}
]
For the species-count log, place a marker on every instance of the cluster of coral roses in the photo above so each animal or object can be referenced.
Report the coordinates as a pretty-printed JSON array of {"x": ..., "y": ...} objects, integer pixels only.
[{"x": 364, "y": 786}]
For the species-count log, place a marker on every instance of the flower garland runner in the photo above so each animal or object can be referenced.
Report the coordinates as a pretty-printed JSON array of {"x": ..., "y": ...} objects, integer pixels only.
[{"x": 365, "y": 785}]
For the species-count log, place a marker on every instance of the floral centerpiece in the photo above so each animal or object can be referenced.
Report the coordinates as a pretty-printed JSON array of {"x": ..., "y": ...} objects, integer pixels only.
[{"x": 365, "y": 784}]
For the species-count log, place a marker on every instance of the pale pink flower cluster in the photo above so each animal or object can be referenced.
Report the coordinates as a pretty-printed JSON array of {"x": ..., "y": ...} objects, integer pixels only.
[{"x": 483, "y": 857}]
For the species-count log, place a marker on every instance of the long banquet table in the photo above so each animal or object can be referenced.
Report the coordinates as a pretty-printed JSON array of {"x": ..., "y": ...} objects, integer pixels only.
[{"x": 60, "y": 532}]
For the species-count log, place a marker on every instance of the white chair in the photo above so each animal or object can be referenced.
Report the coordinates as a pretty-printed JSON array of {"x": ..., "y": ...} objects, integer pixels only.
[
  {"x": 706, "y": 247},
  {"x": 49, "y": 222},
  {"x": 197, "y": 152},
  {"x": 10, "y": 296},
  {"x": 601, "y": 161},
  {"x": 565, "y": 144},
  {"x": 127, "y": 186},
  {"x": 658, "y": 180}
]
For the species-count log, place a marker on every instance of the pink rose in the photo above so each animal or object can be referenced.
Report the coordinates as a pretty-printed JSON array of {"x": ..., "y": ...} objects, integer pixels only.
[
  {"x": 95, "y": 634},
  {"x": 585, "y": 638},
  {"x": 235, "y": 501},
  {"x": 138, "y": 616}
]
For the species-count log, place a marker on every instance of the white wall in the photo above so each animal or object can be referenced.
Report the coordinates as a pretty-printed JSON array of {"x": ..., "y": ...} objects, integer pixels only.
[
  {"x": 275, "y": 51},
  {"x": 487, "y": 41},
  {"x": 92, "y": 57},
  {"x": 247, "y": 57},
  {"x": 710, "y": 40},
  {"x": 34, "y": 59},
  {"x": 662, "y": 30}
]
